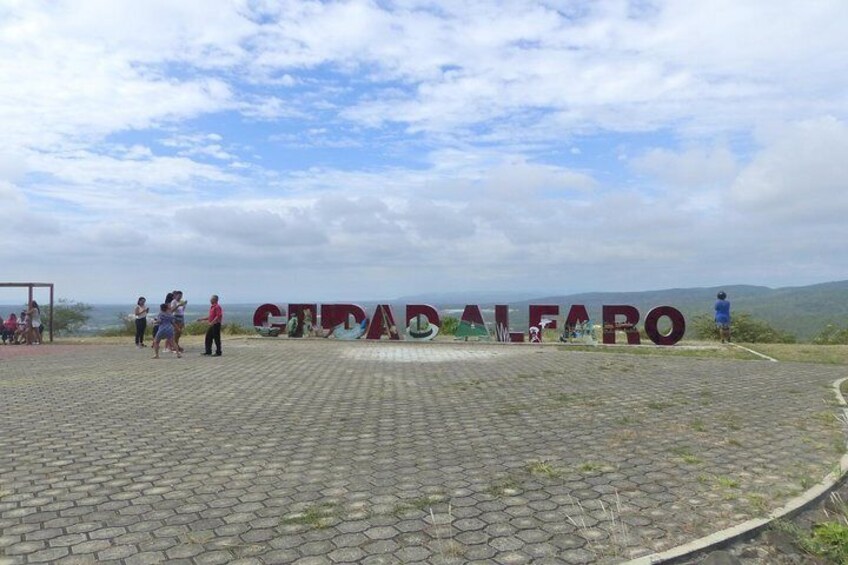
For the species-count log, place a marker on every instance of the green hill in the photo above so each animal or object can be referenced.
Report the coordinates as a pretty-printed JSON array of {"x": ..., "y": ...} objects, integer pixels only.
[{"x": 802, "y": 311}]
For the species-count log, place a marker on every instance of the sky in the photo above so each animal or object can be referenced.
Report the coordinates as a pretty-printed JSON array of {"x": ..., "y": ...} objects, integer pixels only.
[{"x": 358, "y": 150}]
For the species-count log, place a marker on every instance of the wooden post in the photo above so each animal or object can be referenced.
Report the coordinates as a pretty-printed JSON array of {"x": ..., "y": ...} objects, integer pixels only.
[{"x": 51, "y": 313}]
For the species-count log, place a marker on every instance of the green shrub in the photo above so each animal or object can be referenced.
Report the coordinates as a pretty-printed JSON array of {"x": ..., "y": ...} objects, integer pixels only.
[
  {"x": 832, "y": 335},
  {"x": 830, "y": 540},
  {"x": 69, "y": 316},
  {"x": 743, "y": 328},
  {"x": 449, "y": 325}
]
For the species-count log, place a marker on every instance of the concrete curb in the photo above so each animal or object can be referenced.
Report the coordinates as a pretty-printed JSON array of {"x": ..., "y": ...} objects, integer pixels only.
[{"x": 751, "y": 527}]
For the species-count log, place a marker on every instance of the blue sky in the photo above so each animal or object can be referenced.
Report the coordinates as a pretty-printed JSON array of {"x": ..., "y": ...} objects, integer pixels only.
[{"x": 282, "y": 151}]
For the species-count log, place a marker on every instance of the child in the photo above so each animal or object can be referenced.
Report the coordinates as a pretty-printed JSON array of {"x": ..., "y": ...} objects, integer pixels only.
[{"x": 165, "y": 321}]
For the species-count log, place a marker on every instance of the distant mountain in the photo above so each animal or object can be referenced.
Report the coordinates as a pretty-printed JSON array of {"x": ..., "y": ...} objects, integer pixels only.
[
  {"x": 802, "y": 311},
  {"x": 463, "y": 297}
]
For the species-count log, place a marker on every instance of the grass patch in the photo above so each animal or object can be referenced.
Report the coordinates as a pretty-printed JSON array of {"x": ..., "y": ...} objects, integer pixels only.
[
  {"x": 698, "y": 426},
  {"x": 512, "y": 409},
  {"x": 421, "y": 503},
  {"x": 317, "y": 517},
  {"x": 805, "y": 353},
  {"x": 545, "y": 469},
  {"x": 589, "y": 467},
  {"x": 727, "y": 482},
  {"x": 732, "y": 422},
  {"x": 659, "y": 405},
  {"x": 574, "y": 399},
  {"x": 507, "y": 486},
  {"x": 686, "y": 454}
]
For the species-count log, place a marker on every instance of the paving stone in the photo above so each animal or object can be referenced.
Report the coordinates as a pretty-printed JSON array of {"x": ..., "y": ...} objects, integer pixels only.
[
  {"x": 125, "y": 460},
  {"x": 45, "y": 555},
  {"x": 92, "y": 546}
]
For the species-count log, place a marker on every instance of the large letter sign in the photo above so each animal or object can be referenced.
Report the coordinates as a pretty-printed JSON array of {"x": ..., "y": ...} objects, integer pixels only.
[{"x": 422, "y": 322}]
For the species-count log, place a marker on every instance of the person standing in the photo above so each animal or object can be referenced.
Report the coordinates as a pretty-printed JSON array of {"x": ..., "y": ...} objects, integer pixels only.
[
  {"x": 213, "y": 333},
  {"x": 722, "y": 316},
  {"x": 178, "y": 306},
  {"x": 34, "y": 327},
  {"x": 140, "y": 313}
]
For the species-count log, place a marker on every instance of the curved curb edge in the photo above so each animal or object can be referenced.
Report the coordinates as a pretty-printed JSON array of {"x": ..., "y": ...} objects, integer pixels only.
[{"x": 750, "y": 527}]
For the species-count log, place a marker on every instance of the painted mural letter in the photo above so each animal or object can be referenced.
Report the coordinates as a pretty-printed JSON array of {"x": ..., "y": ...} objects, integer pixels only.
[
  {"x": 422, "y": 322},
  {"x": 383, "y": 323},
  {"x": 336, "y": 318},
  {"x": 502, "y": 326},
  {"x": 472, "y": 324},
  {"x": 628, "y": 325}
]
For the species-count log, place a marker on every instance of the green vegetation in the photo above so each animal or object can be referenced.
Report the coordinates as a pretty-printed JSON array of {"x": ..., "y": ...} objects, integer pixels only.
[
  {"x": 828, "y": 539},
  {"x": 544, "y": 469},
  {"x": 318, "y": 516},
  {"x": 832, "y": 335},
  {"x": 69, "y": 316},
  {"x": 449, "y": 325},
  {"x": 744, "y": 328}
]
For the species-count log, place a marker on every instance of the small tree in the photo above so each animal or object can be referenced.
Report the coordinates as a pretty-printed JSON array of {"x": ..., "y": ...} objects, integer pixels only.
[
  {"x": 743, "y": 327},
  {"x": 69, "y": 316}
]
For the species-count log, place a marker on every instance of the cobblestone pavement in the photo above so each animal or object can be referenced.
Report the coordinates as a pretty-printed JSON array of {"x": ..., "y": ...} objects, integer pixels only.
[{"x": 332, "y": 452}]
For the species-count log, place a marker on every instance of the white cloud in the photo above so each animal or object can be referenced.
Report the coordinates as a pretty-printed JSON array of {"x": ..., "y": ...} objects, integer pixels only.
[
  {"x": 690, "y": 169},
  {"x": 801, "y": 175},
  {"x": 399, "y": 130}
]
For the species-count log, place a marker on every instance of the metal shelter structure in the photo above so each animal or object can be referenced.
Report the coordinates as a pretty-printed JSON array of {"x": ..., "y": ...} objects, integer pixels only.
[{"x": 30, "y": 286}]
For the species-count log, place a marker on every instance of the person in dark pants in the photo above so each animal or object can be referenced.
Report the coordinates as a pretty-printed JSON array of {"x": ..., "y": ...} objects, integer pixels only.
[
  {"x": 140, "y": 314},
  {"x": 214, "y": 319}
]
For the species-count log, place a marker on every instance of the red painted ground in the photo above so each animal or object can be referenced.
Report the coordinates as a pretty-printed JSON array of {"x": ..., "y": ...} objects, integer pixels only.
[{"x": 10, "y": 351}]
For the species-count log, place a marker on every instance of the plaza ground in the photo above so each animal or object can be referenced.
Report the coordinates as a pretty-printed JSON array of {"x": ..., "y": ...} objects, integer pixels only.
[{"x": 316, "y": 451}]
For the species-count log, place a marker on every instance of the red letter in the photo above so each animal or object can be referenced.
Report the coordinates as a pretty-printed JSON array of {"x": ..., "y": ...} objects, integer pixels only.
[
  {"x": 261, "y": 315},
  {"x": 537, "y": 311},
  {"x": 678, "y": 325},
  {"x": 631, "y": 318},
  {"x": 577, "y": 314},
  {"x": 383, "y": 322}
]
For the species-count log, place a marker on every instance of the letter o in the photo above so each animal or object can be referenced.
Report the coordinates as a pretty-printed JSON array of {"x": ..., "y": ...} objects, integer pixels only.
[{"x": 678, "y": 325}]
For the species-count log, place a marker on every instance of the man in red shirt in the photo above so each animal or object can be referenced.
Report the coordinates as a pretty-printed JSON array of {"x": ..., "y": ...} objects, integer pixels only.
[{"x": 216, "y": 315}]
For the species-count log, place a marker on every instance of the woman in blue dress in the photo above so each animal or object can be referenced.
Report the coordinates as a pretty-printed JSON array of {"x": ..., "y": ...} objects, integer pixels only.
[
  {"x": 166, "y": 330},
  {"x": 722, "y": 316}
]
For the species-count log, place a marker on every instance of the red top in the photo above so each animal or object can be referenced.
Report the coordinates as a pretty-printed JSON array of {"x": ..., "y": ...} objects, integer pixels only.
[
  {"x": 216, "y": 314},
  {"x": 10, "y": 324}
]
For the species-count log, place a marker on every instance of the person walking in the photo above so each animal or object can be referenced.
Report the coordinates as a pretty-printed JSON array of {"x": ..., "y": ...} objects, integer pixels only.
[
  {"x": 140, "y": 312},
  {"x": 722, "y": 316},
  {"x": 213, "y": 333}
]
